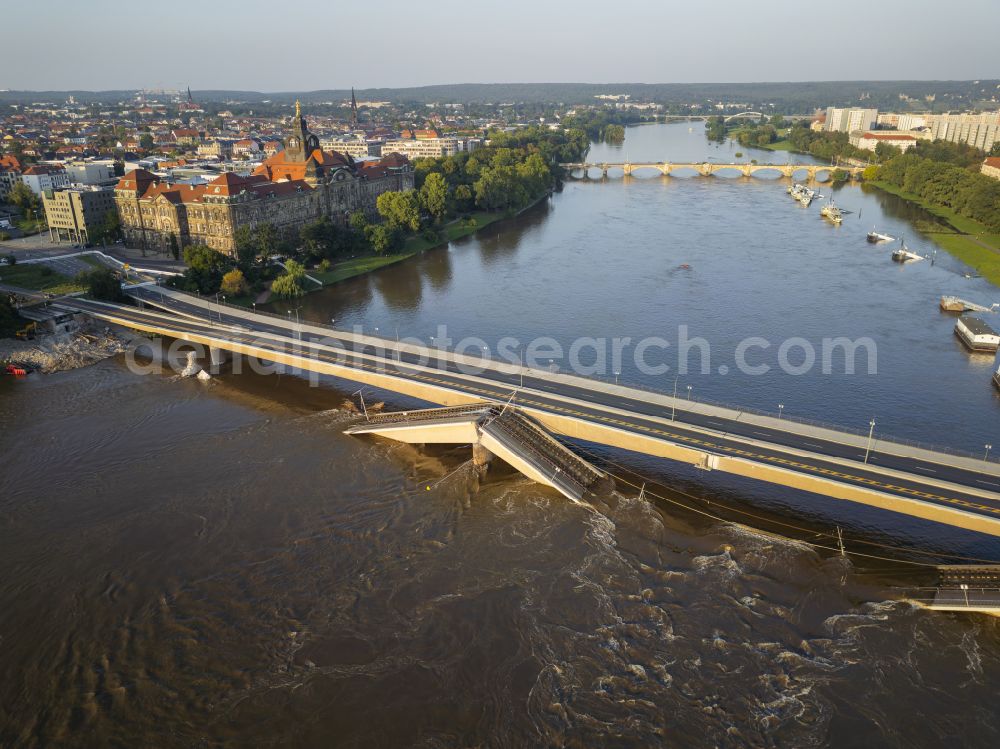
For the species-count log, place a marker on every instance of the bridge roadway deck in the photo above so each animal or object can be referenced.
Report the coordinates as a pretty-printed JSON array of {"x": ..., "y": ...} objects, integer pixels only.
[{"x": 936, "y": 486}]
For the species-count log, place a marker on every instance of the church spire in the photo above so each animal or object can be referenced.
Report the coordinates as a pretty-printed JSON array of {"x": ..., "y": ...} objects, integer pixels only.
[
  {"x": 298, "y": 109},
  {"x": 354, "y": 107}
]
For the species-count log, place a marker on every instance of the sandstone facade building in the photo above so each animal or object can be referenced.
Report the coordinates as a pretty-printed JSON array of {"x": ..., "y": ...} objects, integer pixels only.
[{"x": 294, "y": 187}]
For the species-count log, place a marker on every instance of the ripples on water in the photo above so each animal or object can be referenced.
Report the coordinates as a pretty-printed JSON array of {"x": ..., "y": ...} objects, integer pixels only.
[
  {"x": 244, "y": 574},
  {"x": 218, "y": 565}
]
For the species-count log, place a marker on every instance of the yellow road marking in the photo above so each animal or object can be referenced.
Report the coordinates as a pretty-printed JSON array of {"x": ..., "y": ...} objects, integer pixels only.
[{"x": 682, "y": 440}]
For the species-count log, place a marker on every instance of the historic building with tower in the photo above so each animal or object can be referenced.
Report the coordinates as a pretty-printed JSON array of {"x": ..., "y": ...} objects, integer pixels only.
[{"x": 294, "y": 187}]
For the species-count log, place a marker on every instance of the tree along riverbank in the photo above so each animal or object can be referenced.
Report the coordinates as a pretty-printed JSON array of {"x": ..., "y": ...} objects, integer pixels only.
[
  {"x": 412, "y": 246},
  {"x": 454, "y": 196},
  {"x": 966, "y": 239},
  {"x": 940, "y": 177}
]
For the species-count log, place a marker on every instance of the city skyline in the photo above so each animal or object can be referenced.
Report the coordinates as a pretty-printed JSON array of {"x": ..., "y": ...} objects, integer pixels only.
[{"x": 401, "y": 47}]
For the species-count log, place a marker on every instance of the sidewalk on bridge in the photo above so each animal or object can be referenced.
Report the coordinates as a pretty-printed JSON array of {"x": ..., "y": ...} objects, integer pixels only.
[{"x": 786, "y": 424}]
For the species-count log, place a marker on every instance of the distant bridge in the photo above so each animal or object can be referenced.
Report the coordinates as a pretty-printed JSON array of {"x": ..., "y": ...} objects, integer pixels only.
[
  {"x": 708, "y": 168},
  {"x": 745, "y": 115}
]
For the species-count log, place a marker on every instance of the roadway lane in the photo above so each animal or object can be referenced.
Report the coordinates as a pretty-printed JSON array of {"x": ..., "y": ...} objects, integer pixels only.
[
  {"x": 817, "y": 465},
  {"x": 638, "y": 402}
]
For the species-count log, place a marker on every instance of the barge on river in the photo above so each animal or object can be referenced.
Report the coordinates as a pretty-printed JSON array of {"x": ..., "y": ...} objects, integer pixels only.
[{"x": 977, "y": 335}]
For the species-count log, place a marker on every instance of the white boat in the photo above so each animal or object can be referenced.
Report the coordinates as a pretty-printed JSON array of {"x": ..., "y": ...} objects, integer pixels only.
[
  {"x": 955, "y": 304},
  {"x": 996, "y": 378},
  {"x": 903, "y": 254},
  {"x": 832, "y": 212},
  {"x": 877, "y": 236},
  {"x": 976, "y": 334}
]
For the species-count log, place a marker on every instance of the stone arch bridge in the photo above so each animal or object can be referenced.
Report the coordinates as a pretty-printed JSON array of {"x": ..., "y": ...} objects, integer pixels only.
[{"x": 708, "y": 168}]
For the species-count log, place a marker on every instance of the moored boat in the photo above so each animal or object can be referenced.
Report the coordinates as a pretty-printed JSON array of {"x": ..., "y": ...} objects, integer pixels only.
[
  {"x": 996, "y": 378},
  {"x": 952, "y": 304},
  {"x": 903, "y": 254},
  {"x": 877, "y": 236},
  {"x": 977, "y": 335},
  {"x": 831, "y": 212}
]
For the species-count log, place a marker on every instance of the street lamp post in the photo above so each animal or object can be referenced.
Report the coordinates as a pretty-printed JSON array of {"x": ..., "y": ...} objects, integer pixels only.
[
  {"x": 987, "y": 455},
  {"x": 689, "y": 393},
  {"x": 871, "y": 431},
  {"x": 781, "y": 407},
  {"x": 616, "y": 377}
]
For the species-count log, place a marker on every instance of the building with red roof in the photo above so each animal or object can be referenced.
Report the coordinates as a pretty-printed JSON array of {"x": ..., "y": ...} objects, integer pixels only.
[
  {"x": 10, "y": 174},
  {"x": 870, "y": 139},
  {"x": 991, "y": 167},
  {"x": 290, "y": 189}
]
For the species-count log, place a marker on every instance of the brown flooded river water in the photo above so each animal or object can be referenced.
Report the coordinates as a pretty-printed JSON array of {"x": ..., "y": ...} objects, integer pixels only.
[{"x": 188, "y": 564}]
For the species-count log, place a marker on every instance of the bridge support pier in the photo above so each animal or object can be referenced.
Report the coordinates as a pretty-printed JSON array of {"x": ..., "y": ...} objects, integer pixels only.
[
  {"x": 481, "y": 457},
  {"x": 216, "y": 356}
]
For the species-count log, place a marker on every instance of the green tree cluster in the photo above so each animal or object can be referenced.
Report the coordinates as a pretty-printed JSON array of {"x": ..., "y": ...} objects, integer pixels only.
[
  {"x": 759, "y": 135},
  {"x": 291, "y": 283},
  {"x": 613, "y": 134},
  {"x": 823, "y": 145},
  {"x": 255, "y": 245},
  {"x": 102, "y": 283},
  {"x": 205, "y": 269},
  {"x": 604, "y": 124},
  {"x": 715, "y": 128},
  {"x": 325, "y": 240},
  {"x": 108, "y": 231},
  {"x": 434, "y": 196},
  {"x": 401, "y": 210},
  {"x": 21, "y": 196},
  {"x": 515, "y": 169},
  {"x": 234, "y": 283},
  {"x": 959, "y": 154},
  {"x": 966, "y": 192}
]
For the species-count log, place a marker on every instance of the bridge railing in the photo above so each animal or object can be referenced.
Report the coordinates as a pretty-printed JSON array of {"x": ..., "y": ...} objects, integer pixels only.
[
  {"x": 427, "y": 414},
  {"x": 211, "y": 301},
  {"x": 803, "y": 420}
]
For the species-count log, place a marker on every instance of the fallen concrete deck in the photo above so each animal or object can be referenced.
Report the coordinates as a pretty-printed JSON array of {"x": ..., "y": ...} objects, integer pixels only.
[{"x": 502, "y": 431}]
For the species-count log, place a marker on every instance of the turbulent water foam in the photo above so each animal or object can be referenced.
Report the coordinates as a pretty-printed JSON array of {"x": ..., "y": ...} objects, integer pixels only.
[{"x": 263, "y": 579}]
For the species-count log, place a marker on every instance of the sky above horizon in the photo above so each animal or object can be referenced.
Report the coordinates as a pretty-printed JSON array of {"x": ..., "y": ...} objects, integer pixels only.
[{"x": 312, "y": 44}]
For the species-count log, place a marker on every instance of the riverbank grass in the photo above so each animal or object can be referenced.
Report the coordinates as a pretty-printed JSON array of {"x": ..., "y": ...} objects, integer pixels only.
[
  {"x": 968, "y": 240},
  {"x": 413, "y": 245},
  {"x": 358, "y": 266},
  {"x": 781, "y": 145}
]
